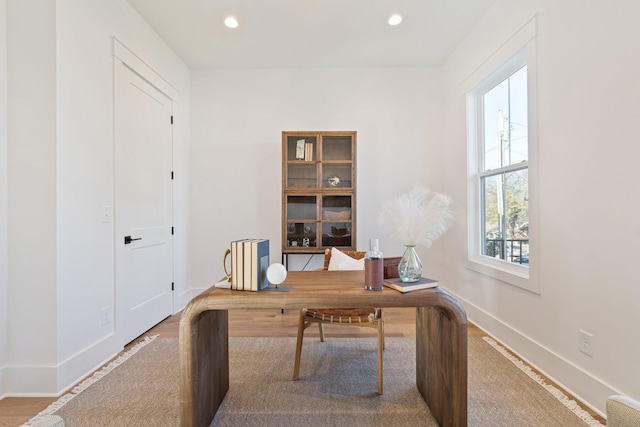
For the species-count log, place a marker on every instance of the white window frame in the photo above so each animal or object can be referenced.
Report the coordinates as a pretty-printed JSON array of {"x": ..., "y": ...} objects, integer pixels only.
[{"x": 518, "y": 51}]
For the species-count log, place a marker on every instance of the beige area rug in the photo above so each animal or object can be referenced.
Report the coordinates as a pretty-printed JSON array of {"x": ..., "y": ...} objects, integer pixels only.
[{"x": 337, "y": 387}]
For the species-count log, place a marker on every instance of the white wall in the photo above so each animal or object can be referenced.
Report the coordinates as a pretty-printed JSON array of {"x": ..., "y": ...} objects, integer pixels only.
[
  {"x": 85, "y": 164},
  {"x": 31, "y": 130},
  {"x": 237, "y": 120},
  {"x": 59, "y": 248},
  {"x": 4, "y": 286},
  {"x": 589, "y": 230}
]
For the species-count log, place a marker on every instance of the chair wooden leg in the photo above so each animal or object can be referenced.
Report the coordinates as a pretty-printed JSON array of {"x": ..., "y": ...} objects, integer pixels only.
[
  {"x": 321, "y": 329},
  {"x": 296, "y": 364},
  {"x": 380, "y": 348}
]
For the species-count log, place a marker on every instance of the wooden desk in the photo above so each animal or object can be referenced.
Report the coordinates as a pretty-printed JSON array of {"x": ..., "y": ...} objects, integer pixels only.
[{"x": 441, "y": 339}]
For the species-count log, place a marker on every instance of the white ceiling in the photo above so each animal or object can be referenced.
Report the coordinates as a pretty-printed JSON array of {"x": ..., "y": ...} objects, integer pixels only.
[{"x": 311, "y": 33}]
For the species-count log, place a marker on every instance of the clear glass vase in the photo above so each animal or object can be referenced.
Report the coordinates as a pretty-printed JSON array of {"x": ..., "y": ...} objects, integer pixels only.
[{"x": 410, "y": 267}]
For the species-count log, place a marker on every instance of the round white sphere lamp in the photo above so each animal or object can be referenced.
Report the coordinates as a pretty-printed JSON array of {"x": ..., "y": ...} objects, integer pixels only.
[{"x": 276, "y": 273}]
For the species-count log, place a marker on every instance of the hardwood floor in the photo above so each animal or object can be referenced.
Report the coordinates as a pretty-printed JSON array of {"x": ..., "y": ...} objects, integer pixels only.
[{"x": 399, "y": 322}]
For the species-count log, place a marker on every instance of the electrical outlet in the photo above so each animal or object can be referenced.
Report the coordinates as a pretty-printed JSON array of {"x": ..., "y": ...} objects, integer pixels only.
[
  {"x": 106, "y": 316},
  {"x": 585, "y": 343}
]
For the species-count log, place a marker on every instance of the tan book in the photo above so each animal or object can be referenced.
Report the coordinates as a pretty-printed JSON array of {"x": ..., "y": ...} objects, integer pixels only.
[{"x": 237, "y": 264}]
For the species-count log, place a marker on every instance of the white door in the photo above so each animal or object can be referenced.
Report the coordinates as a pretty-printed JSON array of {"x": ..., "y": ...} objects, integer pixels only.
[{"x": 143, "y": 203}]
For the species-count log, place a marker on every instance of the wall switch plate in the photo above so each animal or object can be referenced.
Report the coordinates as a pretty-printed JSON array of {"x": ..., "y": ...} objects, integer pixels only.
[{"x": 106, "y": 214}]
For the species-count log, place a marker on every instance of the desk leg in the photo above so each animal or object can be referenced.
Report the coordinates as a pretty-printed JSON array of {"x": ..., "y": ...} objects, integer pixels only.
[
  {"x": 441, "y": 361},
  {"x": 204, "y": 365}
]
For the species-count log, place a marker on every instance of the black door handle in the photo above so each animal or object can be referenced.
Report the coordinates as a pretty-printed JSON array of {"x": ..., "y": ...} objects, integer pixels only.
[{"x": 128, "y": 239}]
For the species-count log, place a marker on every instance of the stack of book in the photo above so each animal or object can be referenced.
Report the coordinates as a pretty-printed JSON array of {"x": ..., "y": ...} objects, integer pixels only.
[
  {"x": 249, "y": 263},
  {"x": 308, "y": 151},
  {"x": 304, "y": 150}
]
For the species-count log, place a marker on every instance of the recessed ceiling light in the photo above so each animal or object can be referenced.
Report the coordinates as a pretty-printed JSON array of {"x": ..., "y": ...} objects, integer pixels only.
[
  {"x": 395, "y": 19},
  {"x": 231, "y": 22}
]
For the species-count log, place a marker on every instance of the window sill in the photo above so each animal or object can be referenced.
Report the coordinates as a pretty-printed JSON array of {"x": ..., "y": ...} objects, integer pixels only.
[{"x": 506, "y": 272}]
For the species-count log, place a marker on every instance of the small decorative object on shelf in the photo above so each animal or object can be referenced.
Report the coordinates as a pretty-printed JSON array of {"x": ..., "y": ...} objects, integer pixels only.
[
  {"x": 334, "y": 180},
  {"x": 337, "y": 215},
  {"x": 373, "y": 268},
  {"x": 300, "y": 149},
  {"x": 418, "y": 217}
]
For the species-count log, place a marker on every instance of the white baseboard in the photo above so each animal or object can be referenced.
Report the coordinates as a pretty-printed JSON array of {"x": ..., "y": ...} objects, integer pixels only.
[
  {"x": 81, "y": 364},
  {"x": 53, "y": 381},
  {"x": 582, "y": 385},
  {"x": 30, "y": 381},
  {"x": 3, "y": 386}
]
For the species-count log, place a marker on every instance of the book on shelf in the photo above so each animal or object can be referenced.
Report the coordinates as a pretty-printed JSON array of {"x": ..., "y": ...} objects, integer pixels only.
[
  {"x": 399, "y": 285},
  {"x": 300, "y": 148},
  {"x": 308, "y": 151}
]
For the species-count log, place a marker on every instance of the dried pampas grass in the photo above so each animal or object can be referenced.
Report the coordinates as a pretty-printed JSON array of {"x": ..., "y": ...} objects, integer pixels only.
[{"x": 418, "y": 217}]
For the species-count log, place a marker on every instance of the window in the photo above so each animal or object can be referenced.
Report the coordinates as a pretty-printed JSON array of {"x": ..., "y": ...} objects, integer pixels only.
[
  {"x": 503, "y": 170},
  {"x": 501, "y": 152}
]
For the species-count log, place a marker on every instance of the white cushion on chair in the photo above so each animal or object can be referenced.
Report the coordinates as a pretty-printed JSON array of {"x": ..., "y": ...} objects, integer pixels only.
[{"x": 341, "y": 261}]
